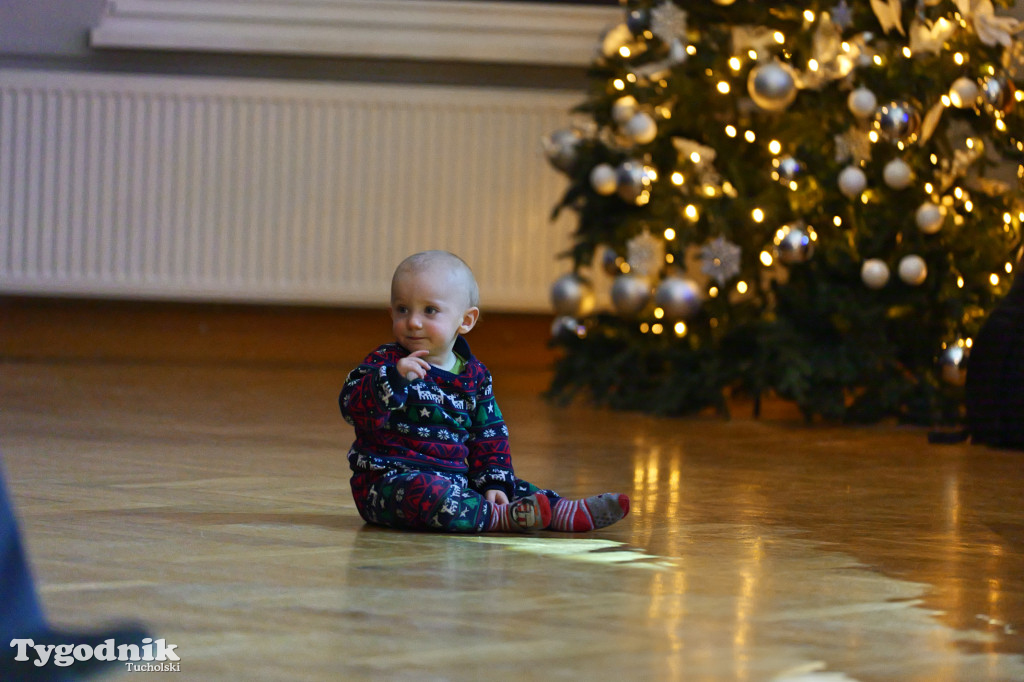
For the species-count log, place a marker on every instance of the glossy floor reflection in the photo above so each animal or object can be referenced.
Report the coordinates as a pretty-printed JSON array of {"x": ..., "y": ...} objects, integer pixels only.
[{"x": 207, "y": 496}]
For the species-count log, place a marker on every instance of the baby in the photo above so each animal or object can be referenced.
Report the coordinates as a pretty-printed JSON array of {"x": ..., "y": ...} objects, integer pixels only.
[{"x": 431, "y": 449}]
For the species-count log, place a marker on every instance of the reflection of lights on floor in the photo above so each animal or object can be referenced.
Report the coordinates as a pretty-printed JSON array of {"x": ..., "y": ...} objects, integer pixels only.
[{"x": 593, "y": 551}]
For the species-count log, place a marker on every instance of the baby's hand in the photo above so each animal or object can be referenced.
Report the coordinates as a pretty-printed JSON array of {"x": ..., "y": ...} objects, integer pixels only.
[
  {"x": 413, "y": 366},
  {"x": 496, "y": 496}
]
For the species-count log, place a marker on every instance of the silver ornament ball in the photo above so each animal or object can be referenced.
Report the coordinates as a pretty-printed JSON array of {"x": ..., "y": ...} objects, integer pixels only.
[
  {"x": 604, "y": 179},
  {"x": 874, "y": 273},
  {"x": 641, "y": 128},
  {"x": 572, "y": 296},
  {"x": 679, "y": 297},
  {"x": 794, "y": 243},
  {"x": 772, "y": 86},
  {"x": 898, "y": 174},
  {"x": 789, "y": 169},
  {"x": 862, "y": 102},
  {"x": 929, "y": 217},
  {"x": 852, "y": 181},
  {"x": 963, "y": 93},
  {"x": 561, "y": 148},
  {"x": 635, "y": 181},
  {"x": 997, "y": 92},
  {"x": 898, "y": 122},
  {"x": 913, "y": 270},
  {"x": 630, "y": 294}
]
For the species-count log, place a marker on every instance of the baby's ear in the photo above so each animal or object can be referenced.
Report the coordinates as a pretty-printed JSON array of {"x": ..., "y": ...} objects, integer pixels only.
[{"x": 469, "y": 319}]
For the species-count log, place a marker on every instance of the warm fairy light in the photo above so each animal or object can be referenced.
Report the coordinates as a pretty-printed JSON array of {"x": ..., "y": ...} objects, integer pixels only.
[
  {"x": 723, "y": 87},
  {"x": 960, "y": 282},
  {"x": 710, "y": 190},
  {"x": 969, "y": 142},
  {"x": 906, "y": 52},
  {"x": 808, "y": 15},
  {"x": 873, "y": 136},
  {"x": 837, "y": 221},
  {"x": 730, "y": 130},
  {"x": 793, "y": 185},
  {"x": 741, "y": 286},
  {"x": 1019, "y": 95},
  {"x": 618, "y": 84},
  {"x": 624, "y": 268},
  {"x": 947, "y": 101},
  {"x": 968, "y": 205},
  {"x": 669, "y": 258},
  {"x": 713, "y": 292},
  {"x": 864, "y": 198},
  {"x": 757, "y": 214},
  {"x": 812, "y": 65},
  {"x": 659, "y": 313},
  {"x": 695, "y": 157},
  {"x": 766, "y": 259},
  {"x": 657, "y": 328},
  {"x": 994, "y": 279},
  {"x": 670, "y": 234},
  {"x": 958, "y": 57},
  {"x": 624, "y": 52},
  {"x": 734, "y": 63},
  {"x": 678, "y": 178},
  {"x": 752, "y": 54},
  {"x": 691, "y": 49},
  {"x": 958, "y": 193},
  {"x": 779, "y": 38},
  {"x": 846, "y": 46},
  {"x": 644, "y": 327},
  {"x": 1000, "y": 125},
  {"x": 680, "y": 328},
  {"x": 1009, "y": 268},
  {"x": 749, "y": 136},
  {"x": 690, "y": 211},
  {"x": 775, "y": 146},
  {"x": 877, "y": 59},
  {"x": 1007, "y": 218},
  {"x": 631, "y": 77}
]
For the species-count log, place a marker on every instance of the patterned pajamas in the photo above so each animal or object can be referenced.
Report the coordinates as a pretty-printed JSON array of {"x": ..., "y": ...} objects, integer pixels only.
[{"x": 432, "y": 501}]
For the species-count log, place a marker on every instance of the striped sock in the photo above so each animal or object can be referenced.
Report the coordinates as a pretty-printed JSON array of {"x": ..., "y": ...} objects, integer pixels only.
[
  {"x": 526, "y": 513},
  {"x": 592, "y": 513}
]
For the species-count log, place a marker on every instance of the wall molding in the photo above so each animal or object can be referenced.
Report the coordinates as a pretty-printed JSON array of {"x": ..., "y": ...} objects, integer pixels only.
[{"x": 433, "y": 30}]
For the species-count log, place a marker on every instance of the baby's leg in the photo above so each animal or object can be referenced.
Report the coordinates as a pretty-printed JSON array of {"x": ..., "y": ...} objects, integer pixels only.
[
  {"x": 591, "y": 513},
  {"x": 417, "y": 500}
]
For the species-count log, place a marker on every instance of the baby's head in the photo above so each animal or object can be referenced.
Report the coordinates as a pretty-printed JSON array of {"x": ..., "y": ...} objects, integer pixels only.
[{"x": 442, "y": 269}]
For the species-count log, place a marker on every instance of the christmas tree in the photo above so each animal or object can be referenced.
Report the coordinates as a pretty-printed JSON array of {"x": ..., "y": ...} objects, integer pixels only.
[{"x": 814, "y": 200}]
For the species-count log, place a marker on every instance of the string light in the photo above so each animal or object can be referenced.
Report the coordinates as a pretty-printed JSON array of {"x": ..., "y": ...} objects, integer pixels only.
[
  {"x": 618, "y": 84},
  {"x": 678, "y": 178},
  {"x": 741, "y": 287},
  {"x": 730, "y": 130},
  {"x": 659, "y": 313},
  {"x": 958, "y": 58},
  {"x": 680, "y": 329},
  {"x": 837, "y": 221},
  {"x": 779, "y": 38},
  {"x": 749, "y": 136},
  {"x": 723, "y": 87},
  {"x": 713, "y": 292},
  {"x": 670, "y": 234},
  {"x": 994, "y": 279},
  {"x": 775, "y": 146},
  {"x": 657, "y": 328},
  {"x": 766, "y": 259},
  {"x": 690, "y": 212},
  {"x": 624, "y": 52},
  {"x": 808, "y": 16},
  {"x": 734, "y": 63},
  {"x": 757, "y": 215}
]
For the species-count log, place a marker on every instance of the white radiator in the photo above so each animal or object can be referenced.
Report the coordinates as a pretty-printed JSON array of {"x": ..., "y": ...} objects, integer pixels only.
[{"x": 196, "y": 188}]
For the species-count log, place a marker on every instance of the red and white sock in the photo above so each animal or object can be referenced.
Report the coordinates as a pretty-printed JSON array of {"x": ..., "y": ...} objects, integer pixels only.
[
  {"x": 591, "y": 513},
  {"x": 526, "y": 513}
]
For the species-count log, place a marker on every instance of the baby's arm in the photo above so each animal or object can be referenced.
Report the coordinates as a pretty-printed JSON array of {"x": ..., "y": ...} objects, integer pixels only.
[{"x": 372, "y": 391}]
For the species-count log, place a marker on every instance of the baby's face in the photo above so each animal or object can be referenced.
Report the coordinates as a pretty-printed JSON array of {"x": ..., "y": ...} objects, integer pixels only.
[{"x": 429, "y": 309}]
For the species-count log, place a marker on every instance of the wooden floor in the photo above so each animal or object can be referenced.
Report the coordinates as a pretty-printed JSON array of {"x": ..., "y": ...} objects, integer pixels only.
[{"x": 185, "y": 466}]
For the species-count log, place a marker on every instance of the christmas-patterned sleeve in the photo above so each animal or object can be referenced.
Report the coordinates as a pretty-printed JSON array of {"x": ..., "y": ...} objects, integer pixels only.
[
  {"x": 372, "y": 390},
  {"x": 490, "y": 458}
]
